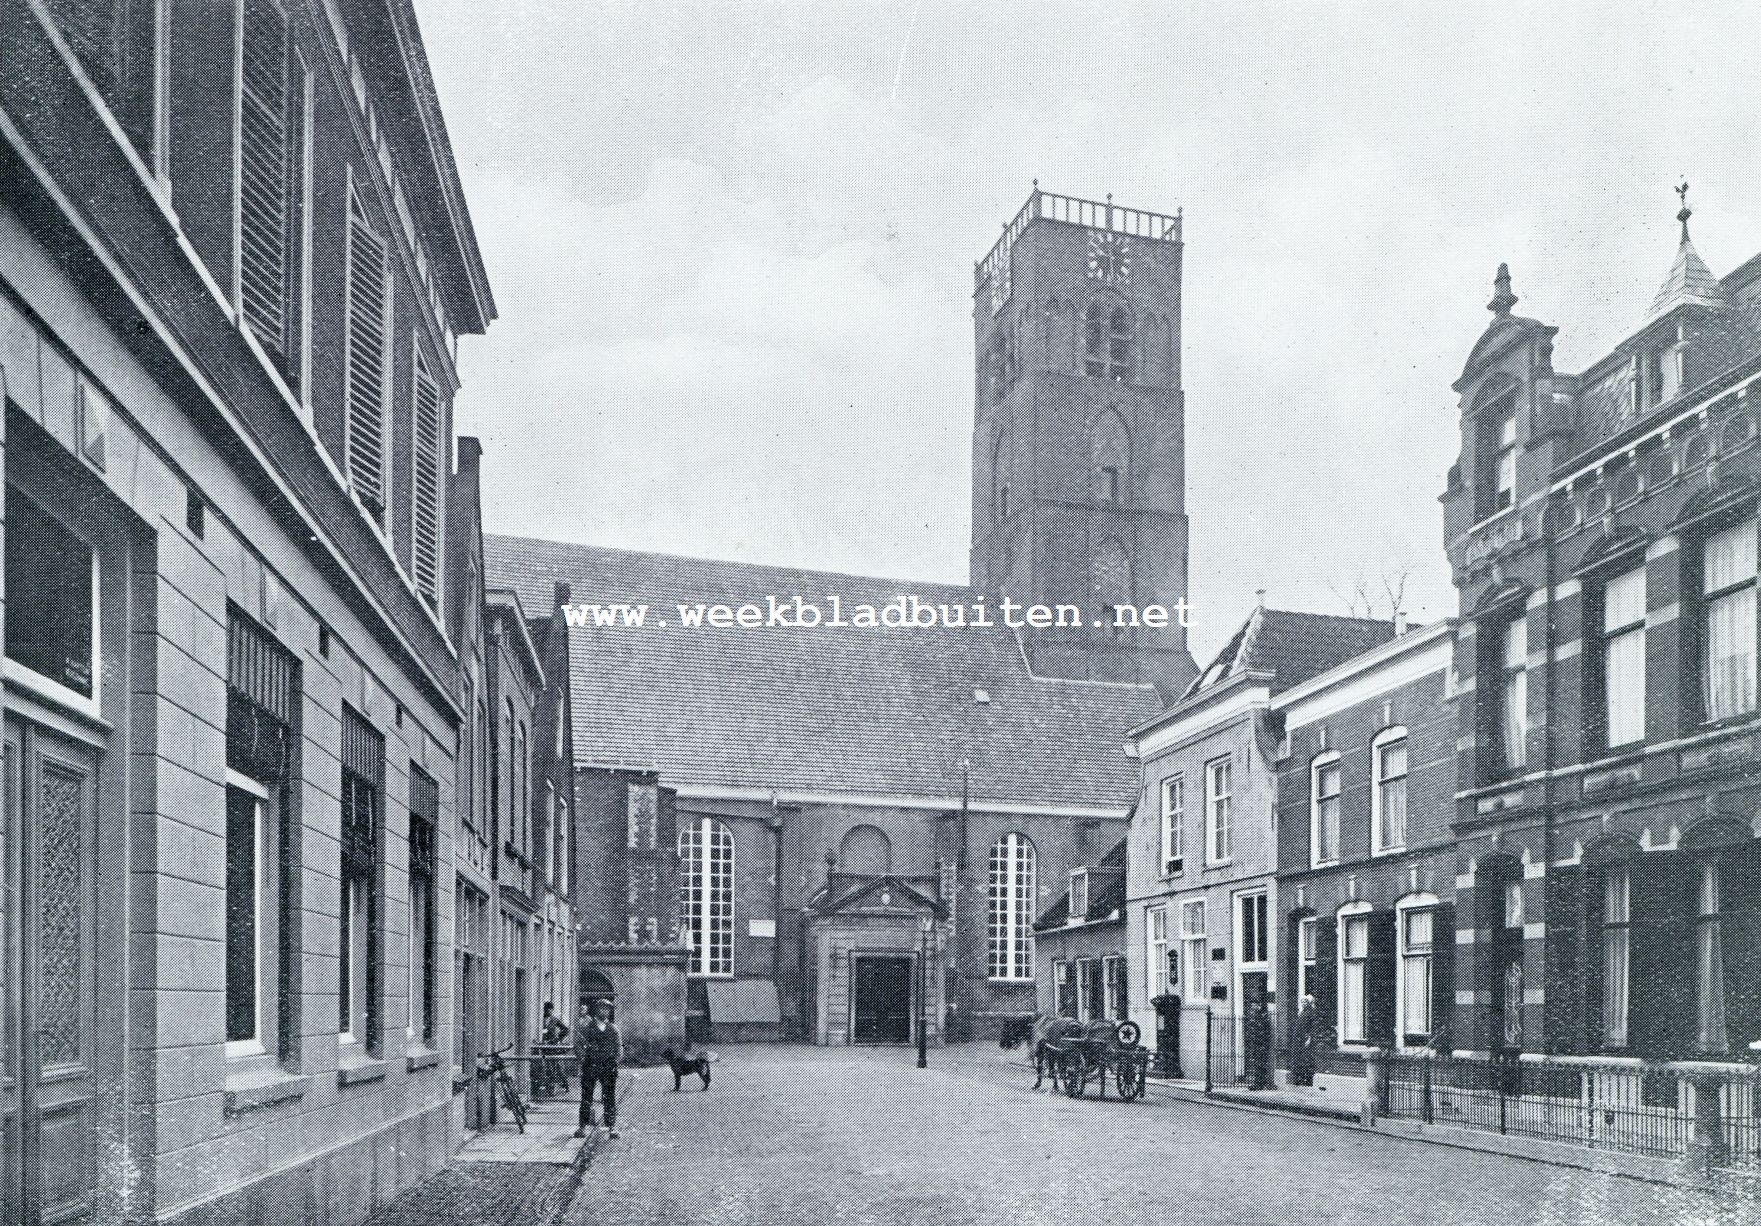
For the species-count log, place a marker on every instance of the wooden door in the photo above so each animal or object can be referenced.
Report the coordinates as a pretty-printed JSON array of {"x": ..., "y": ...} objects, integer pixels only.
[
  {"x": 48, "y": 1109},
  {"x": 882, "y": 1005}
]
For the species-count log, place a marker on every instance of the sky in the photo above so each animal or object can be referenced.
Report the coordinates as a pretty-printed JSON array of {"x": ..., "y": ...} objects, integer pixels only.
[{"x": 732, "y": 247}]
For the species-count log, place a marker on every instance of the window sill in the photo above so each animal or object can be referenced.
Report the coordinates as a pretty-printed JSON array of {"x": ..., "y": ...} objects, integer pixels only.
[
  {"x": 254, "y": 1091},
  {"x": 357, "y": 1071},
  {"x": 420, "y": 1058}
]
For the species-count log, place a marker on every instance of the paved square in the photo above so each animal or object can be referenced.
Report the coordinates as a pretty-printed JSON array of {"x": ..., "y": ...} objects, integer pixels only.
[{"x": 856, "y": 1136}]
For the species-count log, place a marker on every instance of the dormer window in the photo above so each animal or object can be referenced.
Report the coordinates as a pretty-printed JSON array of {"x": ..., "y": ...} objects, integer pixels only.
[
  {"x": 1078, "y": 894},
  {"x": 1495, "y": 486}
]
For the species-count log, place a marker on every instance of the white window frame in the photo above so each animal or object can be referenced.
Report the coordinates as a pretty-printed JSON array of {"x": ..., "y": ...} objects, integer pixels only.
[
  {"x": 1219, "y": 801},
  {"x": 1244, "y": 965},
  {"x": 1009, "y": 901},
  {"x": 1112, "y": 991},
  {"x": 258, "y": 1043},
  {"x": 1608, "y": 637},
  {"x": 1710, "y": 599},
  {"x": 1342, "y": 919},
  {"x": 1155, "y": 980},
  {"x": 1442, "y": 945},
  {"x": 709, "y": 924},
  {"x": 1320, "y": 762},
  {"x": 354, "y": 984},
  {"x": 1173, "y": 823},
  {"x": 1078, "y": 894},
  {"x": 1382, "y": 741},
  {"x": 1512, "y": 731},
  {"x": 1305, "y": 957},
  {"x": 36, "y": 683},
  {"x": 1194, "y": 947}
]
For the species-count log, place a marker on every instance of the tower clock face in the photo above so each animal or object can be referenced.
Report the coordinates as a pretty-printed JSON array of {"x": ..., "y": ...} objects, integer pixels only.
[{"x": 1109, "y": 257}]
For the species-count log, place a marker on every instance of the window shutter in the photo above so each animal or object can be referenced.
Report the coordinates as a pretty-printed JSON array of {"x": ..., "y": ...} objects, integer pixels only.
[
  {"x": 425, "y": 517},
  {"x": 1663, "y": 984},
  {"x": 1573, "y": 981},
  {"x": 1443, "y": 1027},
  {"x": 1325, "y": 980},
  {"x": 1742, "y": 945},
  {"x": 367, "y": 300},
  {"x": 1379, "y": 980},
  {"x": 264, "y": 176}
]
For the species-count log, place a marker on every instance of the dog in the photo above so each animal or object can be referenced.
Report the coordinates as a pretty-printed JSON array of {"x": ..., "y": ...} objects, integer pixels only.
[{"x": 683, "y": 1066}]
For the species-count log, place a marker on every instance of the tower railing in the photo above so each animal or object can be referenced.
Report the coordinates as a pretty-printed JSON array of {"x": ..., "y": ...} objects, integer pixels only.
[{"x": 1096, "y": 214}]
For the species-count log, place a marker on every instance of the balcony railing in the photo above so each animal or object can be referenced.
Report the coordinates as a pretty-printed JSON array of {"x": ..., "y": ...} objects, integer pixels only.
[{"x": 1096, "y": 214}]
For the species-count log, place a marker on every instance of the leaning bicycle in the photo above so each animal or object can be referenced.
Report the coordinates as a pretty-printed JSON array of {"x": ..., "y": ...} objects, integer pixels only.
[{"x": 495, "y": 1069}]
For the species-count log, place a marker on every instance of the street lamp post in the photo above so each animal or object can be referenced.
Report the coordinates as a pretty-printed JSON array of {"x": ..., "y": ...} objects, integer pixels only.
[{"x": 923, "y": 994}]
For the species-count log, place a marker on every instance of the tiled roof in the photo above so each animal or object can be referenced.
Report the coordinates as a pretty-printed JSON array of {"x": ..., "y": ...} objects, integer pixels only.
[
  {"x": 1291, "y": 646},
  {"x": 888, "y": 712},
  {"x": 1106, "y": 893},
  {"x": 1689, "y": 281}
]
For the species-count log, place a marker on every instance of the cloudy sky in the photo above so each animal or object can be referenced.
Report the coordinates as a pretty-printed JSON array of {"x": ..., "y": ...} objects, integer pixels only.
[{"x": 732, "y": 246}]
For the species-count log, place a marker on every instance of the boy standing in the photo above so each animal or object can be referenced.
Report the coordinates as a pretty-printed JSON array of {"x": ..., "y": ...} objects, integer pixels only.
[{"x": 598, "y": 1047}]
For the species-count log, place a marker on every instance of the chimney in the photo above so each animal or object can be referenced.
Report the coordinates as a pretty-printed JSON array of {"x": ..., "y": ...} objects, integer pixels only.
[
  {"x": 561, "y": 594},
  {"x": 1399, "y": 622},
  {"x": 1260, "y": 596},
  {"x": 470, "y": 451}
]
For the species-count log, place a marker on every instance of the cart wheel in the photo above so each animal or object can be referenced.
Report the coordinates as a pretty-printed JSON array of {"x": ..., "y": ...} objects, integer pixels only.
[
  {"x": 1075, "y": 1073},
  {"x": 1129, "y": 1078},
  {"x": 1130, "y": 1034}
]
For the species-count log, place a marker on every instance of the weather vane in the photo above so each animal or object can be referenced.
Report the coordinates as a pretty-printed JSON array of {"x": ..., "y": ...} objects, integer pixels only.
[{"x": 1686, "y": 212}]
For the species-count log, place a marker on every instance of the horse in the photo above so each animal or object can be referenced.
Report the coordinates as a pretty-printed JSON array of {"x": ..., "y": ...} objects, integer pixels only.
[{"x": 1036, "y": 1030}]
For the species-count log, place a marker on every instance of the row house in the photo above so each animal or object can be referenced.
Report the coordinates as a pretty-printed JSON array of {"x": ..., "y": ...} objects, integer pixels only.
[
  {"x": 1602, "y": 531},
  {"x": 1366, "y": 850},
  {"x": 1202, "y": 890},
  {"x": 235, "y": 261},
  {"x": 1080, "y": 943},
  {"x": 515, "y": 927}
]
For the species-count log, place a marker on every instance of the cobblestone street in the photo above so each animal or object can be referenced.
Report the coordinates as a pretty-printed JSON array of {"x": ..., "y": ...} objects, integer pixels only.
[{"x": 794, "y": 1134}]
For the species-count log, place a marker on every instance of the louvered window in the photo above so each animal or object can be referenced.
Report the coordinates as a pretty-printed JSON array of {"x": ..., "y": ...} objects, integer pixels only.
[
  {"x": 267, "y": 138},
  {"x": 367, "y": 311},
  {"x": 425, "y": 516}
]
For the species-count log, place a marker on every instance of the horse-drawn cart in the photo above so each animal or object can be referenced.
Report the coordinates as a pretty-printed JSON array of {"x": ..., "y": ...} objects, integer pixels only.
[{"x": 1078, "y": 1056}]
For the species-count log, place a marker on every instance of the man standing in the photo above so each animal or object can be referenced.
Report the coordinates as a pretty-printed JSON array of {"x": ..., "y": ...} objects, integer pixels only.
[
  {"x": 552, "y": 1031},
  {"x": 1259, "y": 1045},
  {"x": 1302, "y": 1044},
  {"x": 598, "y": 1047}
]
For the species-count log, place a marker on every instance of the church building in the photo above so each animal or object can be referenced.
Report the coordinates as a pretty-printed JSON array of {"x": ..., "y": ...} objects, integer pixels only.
[{"x": 868, "y": 820}]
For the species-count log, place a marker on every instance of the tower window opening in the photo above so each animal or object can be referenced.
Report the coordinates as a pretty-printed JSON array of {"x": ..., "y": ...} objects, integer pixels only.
[{"x": 1108, "y": 343}]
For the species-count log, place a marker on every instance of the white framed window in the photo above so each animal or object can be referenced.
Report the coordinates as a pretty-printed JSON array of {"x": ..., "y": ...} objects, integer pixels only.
[
  {"x": 1324, "y": 791},
  {"x": 1078, "y": 894},
  {"x": 1354, "y": 972},
  {"x": 1727, "y": 633},
  {"x": 1013, "y": 868},
  {"x": 1193, "y": 953},
  {"x": 1513, "y": 693},
  {"x": 1173, "y": 823},
  {"x": 252, "y": 919},
  {"x": 1623, "y": 658},
  {"x": 1253, "y": 935},
  {"x": 1616, "y": 948},
  {"x": 1064, "y": 987},
  {"x": 1710, "y": 1033},
  {"x": 1416, "y": 934},
  {"x": 1220, "y": 837},
  {"x": 706, "y": 894},
  {"x": 1305, "y": 957},
  {"x": 353, "y": 944},
  {"x": 1155, "y": 961},
  {"x": 1388, "y": 793},
  {"x": 1088, "y": 987},
  {"x": 1505, "y": 491},
  {"x": 1113, "y": 974}
]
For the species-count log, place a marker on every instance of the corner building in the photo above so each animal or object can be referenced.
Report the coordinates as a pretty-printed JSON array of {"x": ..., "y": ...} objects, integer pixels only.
[
  {"x": 1602, "y": 530},
  {"x": 234, "y": 263}
]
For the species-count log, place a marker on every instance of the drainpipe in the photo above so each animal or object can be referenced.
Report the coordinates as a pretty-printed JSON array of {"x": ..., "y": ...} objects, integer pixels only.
[{"x": 776, "y": 897}]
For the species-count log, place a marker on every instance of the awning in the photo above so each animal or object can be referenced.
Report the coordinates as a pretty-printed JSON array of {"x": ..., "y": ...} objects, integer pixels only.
[{"x": 732, "y": 1001}]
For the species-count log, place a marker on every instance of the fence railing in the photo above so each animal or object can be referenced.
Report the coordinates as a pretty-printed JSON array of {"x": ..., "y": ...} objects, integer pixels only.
[{"x": 1662, "y": 1111}]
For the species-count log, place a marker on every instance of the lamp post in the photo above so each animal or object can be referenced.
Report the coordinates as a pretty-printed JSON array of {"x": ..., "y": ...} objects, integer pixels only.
[{"x": 923, "y": 992}]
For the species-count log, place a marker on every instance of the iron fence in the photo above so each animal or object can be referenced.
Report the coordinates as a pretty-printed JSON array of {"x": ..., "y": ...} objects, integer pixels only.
[
  {"x": 1239, "y": 1054},
  {"x": 1665, "y": 1111}
]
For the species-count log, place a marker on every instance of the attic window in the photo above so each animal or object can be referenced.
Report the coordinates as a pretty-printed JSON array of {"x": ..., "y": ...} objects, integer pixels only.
[{"x": 1078, "y": 894}]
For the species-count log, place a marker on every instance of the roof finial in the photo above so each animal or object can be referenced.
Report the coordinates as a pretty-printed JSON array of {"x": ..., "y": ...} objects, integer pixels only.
[
  {"x": 1260, "y": 596},
  {"x": 1686, "y": 212},
  {"x": 1502, "y": 298}
]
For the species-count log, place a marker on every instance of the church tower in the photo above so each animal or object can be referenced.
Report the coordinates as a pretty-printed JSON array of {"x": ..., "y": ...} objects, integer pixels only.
[{"x": 1078, "y": 443}]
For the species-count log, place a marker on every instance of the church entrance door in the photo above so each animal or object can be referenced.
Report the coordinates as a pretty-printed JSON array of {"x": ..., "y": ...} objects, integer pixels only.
[{"x": 881, "y": 998}]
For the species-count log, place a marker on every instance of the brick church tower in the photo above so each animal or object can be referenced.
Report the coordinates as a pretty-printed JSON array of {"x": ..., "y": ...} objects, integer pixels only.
[{"x": 1078, "y": 445}]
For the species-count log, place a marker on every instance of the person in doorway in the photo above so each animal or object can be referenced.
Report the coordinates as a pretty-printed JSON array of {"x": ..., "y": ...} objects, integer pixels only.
[
  {"x": 1258, "y": 1036},
  {"x": 1303, "y": 1038},
  {"x": 598, "y": 1048},
  {"x": 553, "y": 1032}
]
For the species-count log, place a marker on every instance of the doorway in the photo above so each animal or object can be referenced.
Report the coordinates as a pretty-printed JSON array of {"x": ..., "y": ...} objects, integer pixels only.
[
  {"x": 49, "y": 1113},
  {"x": 880, "y": 990}
]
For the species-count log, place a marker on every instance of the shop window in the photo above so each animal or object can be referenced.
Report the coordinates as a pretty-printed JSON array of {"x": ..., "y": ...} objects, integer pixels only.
[{"x": 51, "y": 599}]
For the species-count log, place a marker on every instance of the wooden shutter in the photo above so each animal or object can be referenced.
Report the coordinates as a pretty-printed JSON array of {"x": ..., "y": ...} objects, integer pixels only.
[
  {"x": 1444, "y": 1032},
  {"x": 1379, "y": 980},
  {"x": 1573, "y": 979},
  {"x": 428, "y": 440},
  {"x": 1662, "y": 991},
  {"x": 1742, "y": 944},
  {"x": 264, "y": 175},
  {"x": 367, "y": 311},
  {"x": 1324, "y": 983}
]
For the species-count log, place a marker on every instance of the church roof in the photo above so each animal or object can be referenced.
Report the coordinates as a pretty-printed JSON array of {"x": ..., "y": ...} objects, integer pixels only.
[
  {"x": 1291, "y": 647},
  {"x": 1689, "y": 282},
  {"x": 873, "y": 712}
]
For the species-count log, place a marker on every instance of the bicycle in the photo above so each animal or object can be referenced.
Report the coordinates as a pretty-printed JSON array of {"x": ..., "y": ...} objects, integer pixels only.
[{"x": 496, "y": 1069}]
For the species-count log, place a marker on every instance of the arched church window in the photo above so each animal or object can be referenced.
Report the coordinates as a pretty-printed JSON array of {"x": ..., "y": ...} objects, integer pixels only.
[
  {"x": 1110, "y": 577},
  {"x": 1013, "y": 867},
  {"x": 866, "y": 851},
  {"x": 706, "y": 894},
  {"x": 1107, "y": 342}
]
